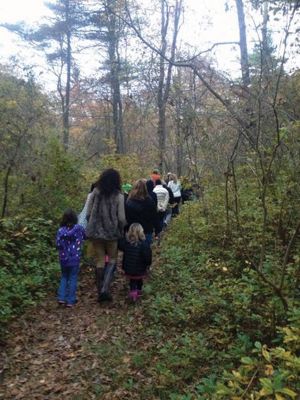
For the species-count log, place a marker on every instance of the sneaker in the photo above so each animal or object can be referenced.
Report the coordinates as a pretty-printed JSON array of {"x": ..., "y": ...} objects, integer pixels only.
[
  {"x": 69, "y": 305},
  {"x": 61, "y": 302}
]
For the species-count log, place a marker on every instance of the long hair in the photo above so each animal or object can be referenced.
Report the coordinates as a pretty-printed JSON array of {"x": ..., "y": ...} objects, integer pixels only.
[
  {"x": 135, "y": 233},
  {"x": 139, "y": 190},
  {"x": 173, "y": 178},
  {"x": 109, "y": 182},
  {"x": 69, "y": 218}
]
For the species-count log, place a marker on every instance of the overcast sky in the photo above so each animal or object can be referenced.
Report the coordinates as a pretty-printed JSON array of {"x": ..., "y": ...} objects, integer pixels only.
[{"x": 205, "y": 22}]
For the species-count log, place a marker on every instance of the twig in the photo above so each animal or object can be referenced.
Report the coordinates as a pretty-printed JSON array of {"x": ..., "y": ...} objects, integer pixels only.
[
  {"x": 249, "y": 384},
  {"x": 287, "y": 254}
]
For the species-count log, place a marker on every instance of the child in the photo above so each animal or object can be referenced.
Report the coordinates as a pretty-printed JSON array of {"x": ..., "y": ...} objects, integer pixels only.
[
  {"x": 69, "y": 239},
  {"x": 137, "y": 258}
]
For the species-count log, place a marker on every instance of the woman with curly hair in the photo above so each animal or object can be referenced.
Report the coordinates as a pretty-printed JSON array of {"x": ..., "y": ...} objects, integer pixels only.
[{"x": 106, "y": 222}]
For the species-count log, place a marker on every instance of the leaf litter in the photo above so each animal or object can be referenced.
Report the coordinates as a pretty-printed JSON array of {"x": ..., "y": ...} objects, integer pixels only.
[{"x": 80, "y": 353}]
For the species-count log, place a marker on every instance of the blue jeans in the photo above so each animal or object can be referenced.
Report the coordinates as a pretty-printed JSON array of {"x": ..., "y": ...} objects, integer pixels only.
[
  {"x": 175, "y": 210},
  {"x": 68, "y": 284},
  {"x": 168, "y": 216},
  {"x": 148, "y": 238}
]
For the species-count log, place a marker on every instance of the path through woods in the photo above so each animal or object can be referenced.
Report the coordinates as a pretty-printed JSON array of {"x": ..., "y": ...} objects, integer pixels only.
[{"x": 80, "y": 353}]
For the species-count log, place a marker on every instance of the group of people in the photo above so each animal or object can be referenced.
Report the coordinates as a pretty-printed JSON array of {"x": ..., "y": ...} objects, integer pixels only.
[{"x": 114, "y": 219}]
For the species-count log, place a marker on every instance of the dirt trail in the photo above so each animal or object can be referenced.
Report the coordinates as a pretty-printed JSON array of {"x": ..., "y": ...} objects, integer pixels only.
[{"x": 79, "y": 353}]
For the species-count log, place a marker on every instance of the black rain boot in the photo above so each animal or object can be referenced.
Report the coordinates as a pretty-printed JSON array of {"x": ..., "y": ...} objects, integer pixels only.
[
  {"x": 109, "y": 271},
  {"x": 99, "y": 278}
]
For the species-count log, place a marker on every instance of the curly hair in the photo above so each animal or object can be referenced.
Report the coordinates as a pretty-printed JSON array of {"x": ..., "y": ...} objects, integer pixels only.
[
  {"x": 135, "y": 233},
  {"x": 109, "y": 182}
]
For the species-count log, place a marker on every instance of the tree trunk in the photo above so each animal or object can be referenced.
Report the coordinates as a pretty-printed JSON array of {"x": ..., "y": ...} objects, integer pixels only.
[
  {"x": 165, "y": 79},
  {"x": 66, "y": 108},
  {"x": 243, "y": 43},
  {"x": 114, "y": 60},
  {"x": 5, "y": 190},
  {"x": 265, "y": 48},
  {"x": 161, "y": 128}
]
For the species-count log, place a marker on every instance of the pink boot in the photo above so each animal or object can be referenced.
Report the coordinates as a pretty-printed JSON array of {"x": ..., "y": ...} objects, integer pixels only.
[{"x": 133, "y": 295}]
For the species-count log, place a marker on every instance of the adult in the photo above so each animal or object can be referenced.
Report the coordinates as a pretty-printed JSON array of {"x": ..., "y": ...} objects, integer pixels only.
[
  {"x": 82, "y": 216},
  {"x": 162, "y": 201},
  {"x": 150, "y": 187},
  {"x": 141, "y": 208},
  {"x": 155, "y": 175},
  {"x": 106, "y": 222},
  {"x": 168, "y": 214},
  {"x": 167, "y": 180},
  {"x": 175, "y": 186},
  {"x": 126, "y": 187}
]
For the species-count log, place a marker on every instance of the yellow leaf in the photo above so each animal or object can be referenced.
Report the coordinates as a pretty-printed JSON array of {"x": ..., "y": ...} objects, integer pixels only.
[
  {"x": 269, "y": 370},
  {"x": 266, "y": 354},
  {"x": 278, "y": 397},
  {"x": 265, "y": 392}
]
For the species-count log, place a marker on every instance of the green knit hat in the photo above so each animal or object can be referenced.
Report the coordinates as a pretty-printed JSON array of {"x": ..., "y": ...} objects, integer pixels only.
[{"x": 126, "y": 187}]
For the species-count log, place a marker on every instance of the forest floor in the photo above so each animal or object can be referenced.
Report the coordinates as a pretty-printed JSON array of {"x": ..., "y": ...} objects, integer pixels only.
[{"x": 53, "y": 352}]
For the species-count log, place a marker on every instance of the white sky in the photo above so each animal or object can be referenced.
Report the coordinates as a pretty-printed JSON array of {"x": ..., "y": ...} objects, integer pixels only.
[{"x": 206, "y": 22}]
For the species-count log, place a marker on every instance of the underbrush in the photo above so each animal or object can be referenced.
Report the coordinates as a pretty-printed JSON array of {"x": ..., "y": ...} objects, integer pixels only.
[
  {"x": 223, "y": 331},
  {"x": 28, "y": 263}
]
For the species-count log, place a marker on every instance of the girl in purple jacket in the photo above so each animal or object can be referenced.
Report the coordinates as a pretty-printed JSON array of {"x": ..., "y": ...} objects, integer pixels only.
[{"x": 69, "y": 239}]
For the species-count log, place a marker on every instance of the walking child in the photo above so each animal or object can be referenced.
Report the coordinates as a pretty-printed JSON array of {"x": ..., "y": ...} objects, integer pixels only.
[
  {"x": 137, "y": 258},
  {"x": 69, "y": 239}
]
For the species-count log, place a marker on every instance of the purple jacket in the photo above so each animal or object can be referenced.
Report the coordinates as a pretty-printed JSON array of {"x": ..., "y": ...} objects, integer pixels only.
[{"x": 69, "y": 242}]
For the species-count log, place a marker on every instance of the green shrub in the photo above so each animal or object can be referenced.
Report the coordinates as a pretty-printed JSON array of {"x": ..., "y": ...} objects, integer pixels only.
[
  {"x": 209, "y": 304},
  {"x": 29, "y": 266}
]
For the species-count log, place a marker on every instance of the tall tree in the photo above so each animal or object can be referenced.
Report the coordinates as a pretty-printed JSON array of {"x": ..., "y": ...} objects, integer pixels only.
[
  {"x": 165, "y": 72},
  {"x": 106, "y": 30},
  {"x": 114, "y": 26},
  {"x": 55, "y": 39},
  {"x": 243, "y": 43},
  {"x": 24, "y": 116}
]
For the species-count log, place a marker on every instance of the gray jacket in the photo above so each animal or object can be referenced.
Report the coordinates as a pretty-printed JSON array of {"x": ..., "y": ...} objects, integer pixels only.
[{"x": 106, "y": 216}]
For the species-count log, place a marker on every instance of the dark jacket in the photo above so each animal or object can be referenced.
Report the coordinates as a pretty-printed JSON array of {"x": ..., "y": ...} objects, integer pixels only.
[
  {"x": 69, "y": 242},
  {"x": 150, "y": 187},
  {"x": 171, "y": 195},
  {"x": 136, "y": 258},
  {"x": 144, "y": 212}
]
